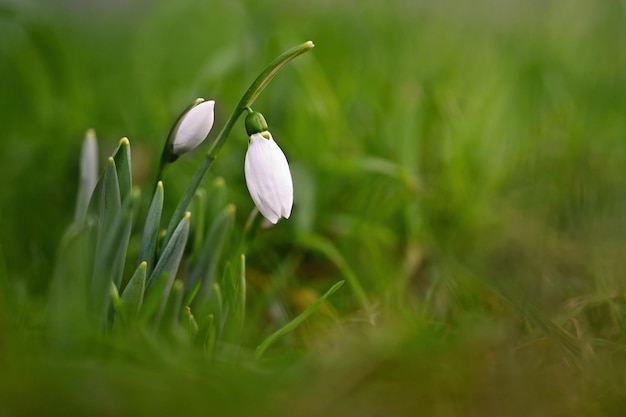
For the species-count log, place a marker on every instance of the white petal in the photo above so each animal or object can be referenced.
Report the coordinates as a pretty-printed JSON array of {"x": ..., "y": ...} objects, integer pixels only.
[
  {"x": 194, "y": 127},
  {"x": 282, "y": 179},
  {"x": 268, "y": 177}
]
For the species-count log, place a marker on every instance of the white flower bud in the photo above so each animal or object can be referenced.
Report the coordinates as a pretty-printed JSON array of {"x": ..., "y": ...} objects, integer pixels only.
[
  {"x": 268, "y": 177},
  {"x": 193, "y": 127}
]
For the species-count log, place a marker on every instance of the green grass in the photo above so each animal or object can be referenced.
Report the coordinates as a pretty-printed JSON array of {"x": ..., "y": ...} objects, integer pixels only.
[{"x": 462, "y": 164}]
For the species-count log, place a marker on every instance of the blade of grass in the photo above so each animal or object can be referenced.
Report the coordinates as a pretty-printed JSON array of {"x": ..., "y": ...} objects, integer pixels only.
[
  {"x": 326, "y": 248},
  {"x": 289, "y": 327}
]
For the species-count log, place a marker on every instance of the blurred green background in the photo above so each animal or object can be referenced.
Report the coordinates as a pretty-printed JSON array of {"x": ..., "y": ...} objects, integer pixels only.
[{"x": 464, "y": 160}]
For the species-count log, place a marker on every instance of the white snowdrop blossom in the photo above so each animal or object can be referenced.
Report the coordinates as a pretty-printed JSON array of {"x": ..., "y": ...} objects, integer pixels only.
[
  {"x": 268, "y": 177},
  {"x": 193, "y": 127}
]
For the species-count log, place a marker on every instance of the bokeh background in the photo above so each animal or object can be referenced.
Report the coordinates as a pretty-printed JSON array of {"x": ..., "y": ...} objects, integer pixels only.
[{"x": 465, "y": 161}]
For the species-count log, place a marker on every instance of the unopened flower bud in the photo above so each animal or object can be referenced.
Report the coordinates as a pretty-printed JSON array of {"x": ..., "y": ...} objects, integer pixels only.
[{"x": 193, "y": 127}]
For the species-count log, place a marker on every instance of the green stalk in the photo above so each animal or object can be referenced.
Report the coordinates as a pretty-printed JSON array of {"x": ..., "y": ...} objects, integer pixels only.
[{"x": 246, "y": 101}]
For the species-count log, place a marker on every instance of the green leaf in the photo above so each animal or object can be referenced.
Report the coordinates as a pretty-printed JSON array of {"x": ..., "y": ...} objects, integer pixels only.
[
  {"x": 191, "y": 294},
  {"x": 289, "y": 327},
  {"x": 549, "y": 327},
  {"x": 241, "y": 299},
  {"x": 68, "y": 303},
  {"x": 198, "y": 225},
  {"x": 134, "y": 292},
  {"x": 123, "y": 165},
  {"x": 109, "y": 234},
  {"x": 116, "y": 301},
  {"x": 168, "y": 318},
  {"x": 111, "y": 202},
  {"x": 210, "y": 327},
  {"x": 129, "y": 211},
  {"x": 217, "y": 194},
  {"x": 147, "y": 250},
  {"x": 153, "y": 298},
  {"x": 189, "y": 324},
  {"x": 204, "y": 267},
  {"x": 209, "y": 204},
  {"x": 216, "y": 302},
  {"x": 326, "y": 248},
  {"x": 234, "y": 282},
  {"x": 207, "y": 334},
  {"x": 171, "y": 257},
  {"x": 110, "y": 254},
  {"x": 88, "y": 175}
]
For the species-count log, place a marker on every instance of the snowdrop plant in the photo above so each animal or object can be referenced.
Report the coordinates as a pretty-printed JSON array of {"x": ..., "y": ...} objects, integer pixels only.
[
  {"x": 185, "y": 290},
  {"x": 267, "y": 172}
]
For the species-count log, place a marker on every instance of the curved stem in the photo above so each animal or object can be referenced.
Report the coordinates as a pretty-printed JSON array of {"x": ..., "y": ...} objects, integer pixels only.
[{"x": 257, "y": 86}]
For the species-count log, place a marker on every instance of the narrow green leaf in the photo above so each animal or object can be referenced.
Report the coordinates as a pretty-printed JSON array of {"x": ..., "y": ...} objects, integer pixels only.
[
  {"x": 147, "y": 250},
  {"x": 216, "y": 300},
  {"x": 111, "y": 254},
  {"x": 234, "y": 309},
  {"x": 199, "y": 204},
  {"x": 190, "y": 324},
  {"x": 123, "y": 165},
  {"x": 129, "y": 210},
  {"x": 207, "y": 335},
  {"x": 116, "y": 301},
  {"x": 169, "y": 260},
  {"x": 95, "y": 201},
  {"x": 289, "y": 327},
  {"x": 109, "y": 234},
  {"x": 191, "y": 294},
  {"x": 551, "y": 329},
  {"x": 168, "y": 318},
  {"x": 88, "y": 175},
  {"x": 68, "y": 303},
  {"x": 205, "y": 265},
  {"x": 326, "y": 248},
  {"x": 134, "y": 292},
  {"x": 252, "y": 226},
  {"x": 153, "y": 298},
  {"x": 241, "y": 299},
  {"x": 214, "y": 305},
  {"x": 217, "y": 194},
  {"x": 111, "y": 202}
]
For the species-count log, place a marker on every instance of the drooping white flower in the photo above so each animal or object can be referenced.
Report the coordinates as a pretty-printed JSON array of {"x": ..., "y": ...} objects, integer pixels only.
[
  {"x": 267, "y": 175},
  {"x": 193, "y": 127}
]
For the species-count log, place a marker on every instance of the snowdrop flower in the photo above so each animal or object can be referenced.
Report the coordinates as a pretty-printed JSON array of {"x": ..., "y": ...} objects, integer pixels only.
[
  {"x": 193, "y": 127},
  {"x": 267, "y": 172}
]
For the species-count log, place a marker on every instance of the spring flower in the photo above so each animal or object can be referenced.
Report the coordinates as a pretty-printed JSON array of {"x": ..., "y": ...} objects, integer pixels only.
[
  {"x": 267, "y": 172},
  {"x": 193, "y": 127}
]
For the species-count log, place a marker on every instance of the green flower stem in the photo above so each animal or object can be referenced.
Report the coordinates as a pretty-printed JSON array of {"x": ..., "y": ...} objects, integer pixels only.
[{"x": 246, "y": 101}]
